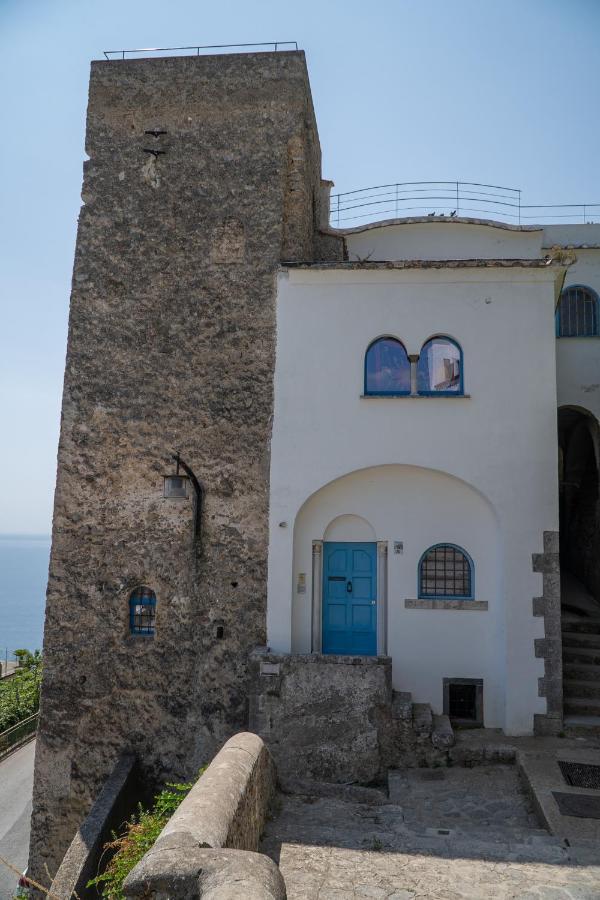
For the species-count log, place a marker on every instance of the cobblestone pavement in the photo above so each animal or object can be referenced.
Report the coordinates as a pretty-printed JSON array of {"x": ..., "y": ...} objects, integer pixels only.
[{"x": 457, "y": 834}]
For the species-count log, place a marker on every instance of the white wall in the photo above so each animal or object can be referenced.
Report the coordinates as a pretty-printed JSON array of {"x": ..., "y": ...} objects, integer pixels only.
[
  {"x": 450, "y": 239},
  {"x": 501, "y": 439},
  {"x": 419, "y": 507},
  {"x": 578, "y": 359}
]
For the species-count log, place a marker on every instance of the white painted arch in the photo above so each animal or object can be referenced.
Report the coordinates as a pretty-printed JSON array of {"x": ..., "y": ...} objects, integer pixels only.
[{"x": 419, "y": 507}]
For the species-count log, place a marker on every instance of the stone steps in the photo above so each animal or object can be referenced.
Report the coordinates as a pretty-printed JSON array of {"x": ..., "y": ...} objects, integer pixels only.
[
  {"x": 575, "y": 706},
  {"x": 581, "y": 640},
  {"x": 585, "y": 656},
  {"x": 582, "y": 690},
  {"x": 426, "y": 725},
  {"x": 581, "y": 625},
  {"x": 581, "y": 671}
]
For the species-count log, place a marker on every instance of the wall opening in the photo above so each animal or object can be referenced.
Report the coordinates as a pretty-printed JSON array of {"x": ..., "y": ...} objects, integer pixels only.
[
  {"x": 463, "y": 701},
  {"x": 579, "y": 512}
]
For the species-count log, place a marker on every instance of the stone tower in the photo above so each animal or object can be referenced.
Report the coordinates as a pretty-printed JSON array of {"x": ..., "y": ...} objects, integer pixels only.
[{"x": 203, "y": 174}]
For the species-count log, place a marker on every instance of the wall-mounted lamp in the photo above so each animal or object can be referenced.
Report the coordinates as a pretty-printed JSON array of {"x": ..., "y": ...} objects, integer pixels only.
[{"x": 176, "y": 488}]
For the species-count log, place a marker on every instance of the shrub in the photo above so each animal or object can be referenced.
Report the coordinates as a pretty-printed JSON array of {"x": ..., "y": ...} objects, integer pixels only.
[
  {"x": 20, "y": 693},
  {"x": 139, "y": 835}
]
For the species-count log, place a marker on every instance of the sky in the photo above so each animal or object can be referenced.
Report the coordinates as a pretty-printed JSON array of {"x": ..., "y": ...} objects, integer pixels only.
[{"x": 496, "y": 91}]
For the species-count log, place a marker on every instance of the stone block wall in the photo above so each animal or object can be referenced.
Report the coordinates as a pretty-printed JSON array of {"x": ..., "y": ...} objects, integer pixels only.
[
  {"x": 324, "y": 717},
  {"x": 203, "y": 173}
]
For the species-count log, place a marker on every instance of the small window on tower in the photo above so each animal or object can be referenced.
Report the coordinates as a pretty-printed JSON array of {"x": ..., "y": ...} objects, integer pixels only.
[{"x": 142, "y": 612}]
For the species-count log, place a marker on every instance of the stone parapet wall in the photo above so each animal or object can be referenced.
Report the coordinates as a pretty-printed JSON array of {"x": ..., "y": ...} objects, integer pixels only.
[
  {"x": 323, "y": 717},
  {"x": 208, "y": 847}
]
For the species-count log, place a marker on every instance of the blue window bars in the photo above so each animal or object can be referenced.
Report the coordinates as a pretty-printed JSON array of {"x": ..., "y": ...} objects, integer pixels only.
[
  {"x": 446, "y": 573},
  {"x": 142, "y": 612}
]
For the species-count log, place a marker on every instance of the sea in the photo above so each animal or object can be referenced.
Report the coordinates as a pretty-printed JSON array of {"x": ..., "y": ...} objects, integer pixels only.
[{"x": 23, "y": 576}]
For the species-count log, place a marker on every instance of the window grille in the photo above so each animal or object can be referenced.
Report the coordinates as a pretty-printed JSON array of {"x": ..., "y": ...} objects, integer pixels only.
[
  {"x": 387, "y": 367},
  {"x": 142, "y": 611},
  {"x": 445, "y": 572},
  {"x": 577, "y": 314}
]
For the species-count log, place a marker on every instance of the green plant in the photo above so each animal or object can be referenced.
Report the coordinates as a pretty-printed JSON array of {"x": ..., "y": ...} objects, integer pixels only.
[
  {"x": 376, "y": 845},
  {"x": 139, "y": 835},
  {"x": 20, "y": 694}
]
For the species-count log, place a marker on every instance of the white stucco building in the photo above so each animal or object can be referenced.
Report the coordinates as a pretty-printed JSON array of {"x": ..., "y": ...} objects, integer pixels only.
[{"x": 414, "y": 506}]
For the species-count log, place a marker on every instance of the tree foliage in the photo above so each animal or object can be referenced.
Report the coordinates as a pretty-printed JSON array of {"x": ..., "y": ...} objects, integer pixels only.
[{"x": 20, "y": 693}]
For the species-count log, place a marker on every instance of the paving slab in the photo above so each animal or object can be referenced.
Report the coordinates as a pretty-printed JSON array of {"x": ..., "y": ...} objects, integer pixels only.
[{"x": 543, "y": 777}]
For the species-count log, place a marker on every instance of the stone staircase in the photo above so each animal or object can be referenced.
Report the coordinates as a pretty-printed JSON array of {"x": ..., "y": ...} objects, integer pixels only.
[
  {"x": 422, "y": 737},
  {"x": 581, "y": 672}
]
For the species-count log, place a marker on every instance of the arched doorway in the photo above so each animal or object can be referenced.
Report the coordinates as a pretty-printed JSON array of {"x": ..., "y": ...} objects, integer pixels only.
[{"x": 579, "y": 447}]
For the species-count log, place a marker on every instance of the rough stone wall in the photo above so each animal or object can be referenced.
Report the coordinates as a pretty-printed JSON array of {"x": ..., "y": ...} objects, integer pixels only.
[
  {"x": 324, "y": 717},
  {"x": 549, "y": 648},
  {"x": 171, "y": 347}
]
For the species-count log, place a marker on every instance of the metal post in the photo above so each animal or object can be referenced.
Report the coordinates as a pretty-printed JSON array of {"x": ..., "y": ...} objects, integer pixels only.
[
  {"x": 519, "y": 191},
  {"x": 457, "y": 199},
  {"x": 584, "y": 215},
  {"x": 338, "y": 210},
  {"x": 396, "y": 201}
]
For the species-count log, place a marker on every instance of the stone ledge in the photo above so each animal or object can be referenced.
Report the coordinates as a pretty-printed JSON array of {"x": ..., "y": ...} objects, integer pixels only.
[
  {"x": 320, "y": 659},
  {"x": 447, "y": 604},
  {"x": 440, "y": 396}
]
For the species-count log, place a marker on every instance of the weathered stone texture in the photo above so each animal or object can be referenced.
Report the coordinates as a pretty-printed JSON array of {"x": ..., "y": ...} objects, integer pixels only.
[
  {"x": 171, "y": 347},
  {"x": 324, "y": 717},
  {"x": 550, "y": 646},
  {"x": 228, "y": 806}
]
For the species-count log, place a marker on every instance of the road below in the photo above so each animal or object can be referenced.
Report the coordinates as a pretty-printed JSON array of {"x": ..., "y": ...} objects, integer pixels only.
[{"x": 16, "y": 785}]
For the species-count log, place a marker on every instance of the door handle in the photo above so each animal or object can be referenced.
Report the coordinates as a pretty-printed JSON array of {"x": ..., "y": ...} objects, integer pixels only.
[{"x": 349, "y": 587}]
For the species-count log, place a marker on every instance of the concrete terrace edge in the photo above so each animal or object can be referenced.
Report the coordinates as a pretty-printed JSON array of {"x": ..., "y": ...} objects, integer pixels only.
[
  {"x": 443, "y": 220},
  {"x": 80, "y": 860}
]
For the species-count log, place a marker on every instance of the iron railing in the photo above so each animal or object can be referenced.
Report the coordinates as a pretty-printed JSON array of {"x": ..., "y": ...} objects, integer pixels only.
[
  {"x": 449, "y": 198},
  {"x": 195, "y": 51},
  {"x": 16, "y": 734}
]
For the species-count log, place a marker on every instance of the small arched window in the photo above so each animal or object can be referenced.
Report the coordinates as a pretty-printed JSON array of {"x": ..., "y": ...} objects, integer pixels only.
[
  {"x": 142, "y": 611},
  {"x": 577, "y": 314},
  {"x": 387, "y": 367},
  {"x": 440, "y": 367},
  {"x": 445, "y": 573}
]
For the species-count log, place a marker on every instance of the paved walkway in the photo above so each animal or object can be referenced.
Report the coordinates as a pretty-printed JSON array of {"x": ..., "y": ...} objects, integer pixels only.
[
  {"x": 449, "y": 834},
  {"x": 16, "y": 786}
]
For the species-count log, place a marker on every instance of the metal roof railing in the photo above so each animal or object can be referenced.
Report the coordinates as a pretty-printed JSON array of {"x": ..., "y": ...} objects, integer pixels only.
[
  {"x": 449, "y": 198},
  {"x": 195, "y": 50}
]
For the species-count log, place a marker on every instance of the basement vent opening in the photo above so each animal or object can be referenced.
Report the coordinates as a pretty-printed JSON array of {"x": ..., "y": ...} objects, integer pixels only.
[
  {"x": 581, "y": 775},
  {"x": 463, "y": 701}
]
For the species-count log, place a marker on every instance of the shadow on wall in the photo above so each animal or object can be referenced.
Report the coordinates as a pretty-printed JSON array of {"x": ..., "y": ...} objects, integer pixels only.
[{"x": 579, "y": 454}]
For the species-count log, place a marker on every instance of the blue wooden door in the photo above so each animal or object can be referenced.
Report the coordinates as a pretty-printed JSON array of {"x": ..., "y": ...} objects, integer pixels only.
[{"x": 350, "y": 599}]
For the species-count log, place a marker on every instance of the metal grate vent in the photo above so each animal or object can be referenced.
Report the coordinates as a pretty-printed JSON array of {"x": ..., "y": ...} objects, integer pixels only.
[{"x": 581, "y": 775}]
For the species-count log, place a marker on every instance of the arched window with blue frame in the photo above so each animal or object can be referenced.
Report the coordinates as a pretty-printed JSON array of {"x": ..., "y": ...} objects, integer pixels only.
[
  {"x": 577, "y": 313},
  {"x": 387, "y": 368},
  {"x": 440, "y": 367},
  {"x": 446, "y": 573},
  {"x": 142, "y": 612}
]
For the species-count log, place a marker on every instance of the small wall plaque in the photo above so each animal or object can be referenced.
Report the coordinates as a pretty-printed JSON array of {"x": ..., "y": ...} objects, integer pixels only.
[
  {"x": 269, "y": 668},
  {"x": 398, "y": 546},
  {"x": 301, "y": 586}
]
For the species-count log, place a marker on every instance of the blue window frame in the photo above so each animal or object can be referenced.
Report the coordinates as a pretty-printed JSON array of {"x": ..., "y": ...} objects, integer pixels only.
[
  {"x": 577, "y": 313},
  {"x": 142, "y": 612},
  {"x": 446, "y": 573},
  {"x": 440, "y": 367},
  {"x": 387, "y": 368}
]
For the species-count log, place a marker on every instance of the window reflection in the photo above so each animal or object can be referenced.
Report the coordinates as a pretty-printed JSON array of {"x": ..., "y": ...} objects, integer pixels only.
[
  {"x": 439, "y": 367},
  {"x": 387, "y": 368}
]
